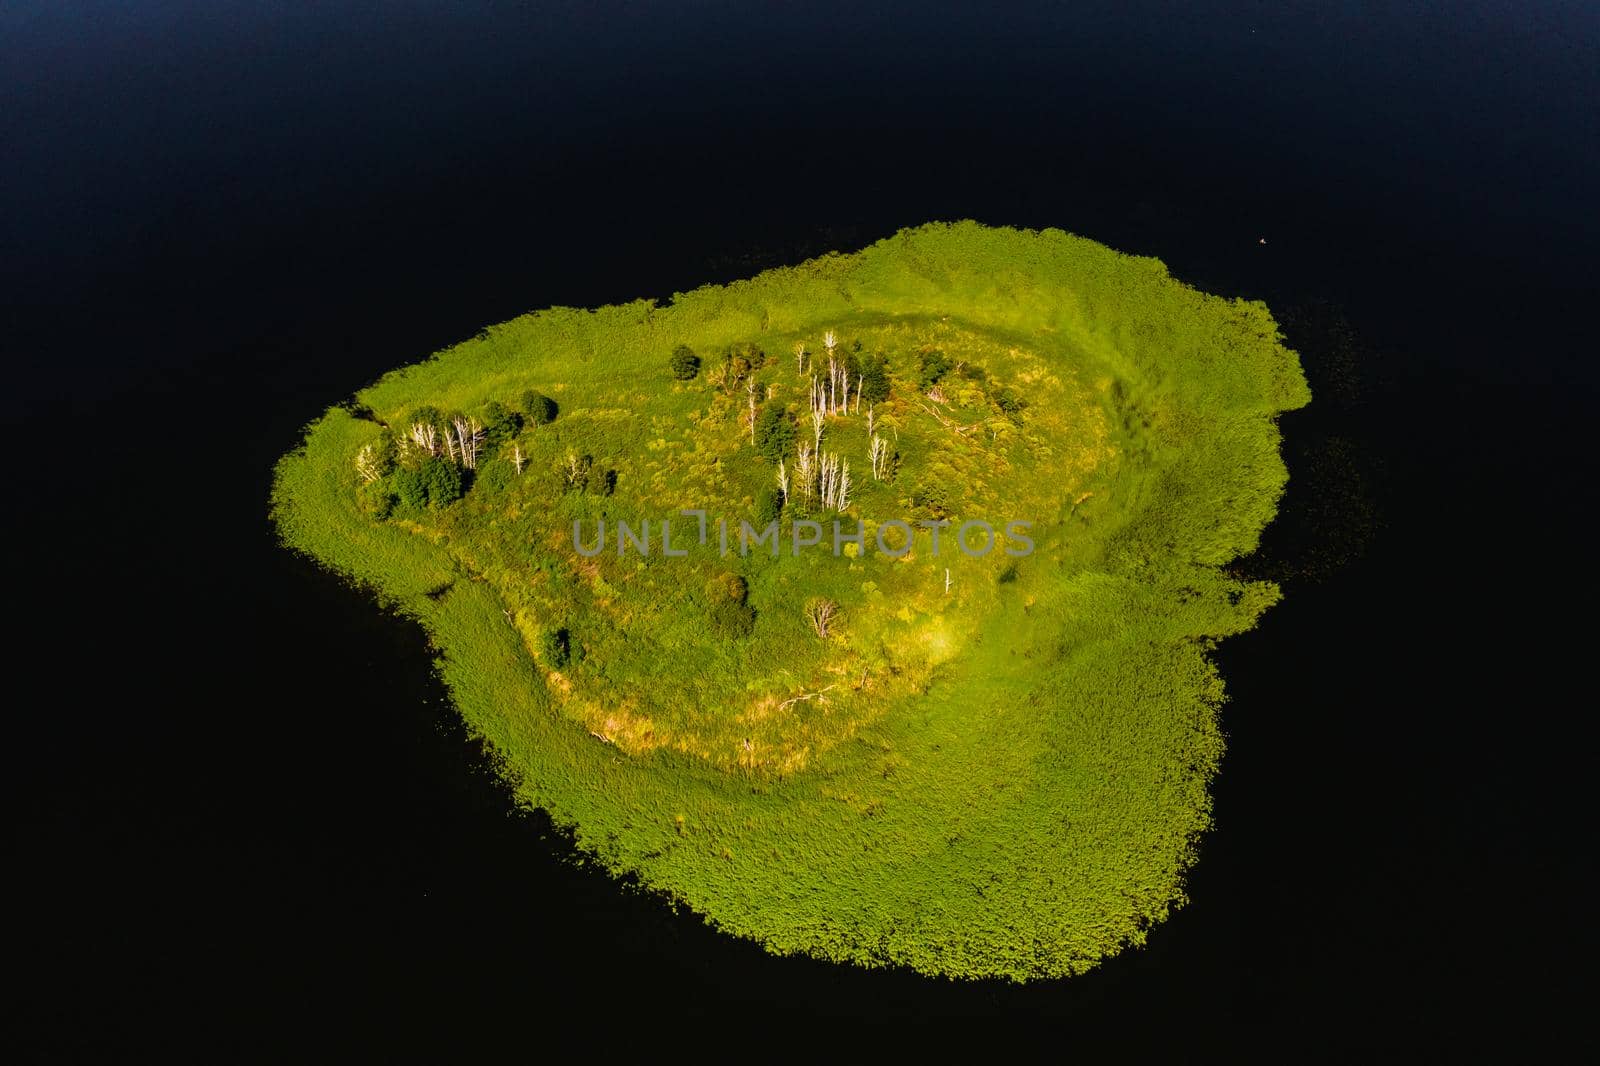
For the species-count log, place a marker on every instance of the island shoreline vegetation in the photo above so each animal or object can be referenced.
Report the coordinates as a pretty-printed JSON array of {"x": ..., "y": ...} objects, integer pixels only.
[{"x": 991, "y": 767}]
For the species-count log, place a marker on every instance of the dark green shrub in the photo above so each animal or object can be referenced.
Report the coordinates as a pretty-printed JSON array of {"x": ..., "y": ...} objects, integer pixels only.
[
  {"x": 494, "y": 475},
  {"x": 933, "y": 365},
  {"x": 434, "y": 482},
  {"x": 428, "y": 416},
  {"x": 684, "y": 363},
  {"x": 874, "y": 379},
  {"x": 769, "y": 505},
  {"x": 1008, "y": 401},
  {"x": 540, "y": 409},
  {"x": 727, "y": 598},
  {"x": 555, "y": 647},
  {"x": 775, "y": 433},
  {"x": 500, "y": 424}
]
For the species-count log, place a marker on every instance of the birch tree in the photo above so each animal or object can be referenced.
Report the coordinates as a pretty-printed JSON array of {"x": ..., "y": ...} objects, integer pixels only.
[
  {"x": 517, "y": 458},
  {"x": 878, "y": 453},
  {"x": 367, "y": 465},
  {"x": 425, "y": 437},
  {"x": 833, "y": 476},
  {"x": 469, "y": 440},
  {"x": 577, "y": 470},
  {"x": 750, "y": 398},
  {"x": 805, "y": 470}
]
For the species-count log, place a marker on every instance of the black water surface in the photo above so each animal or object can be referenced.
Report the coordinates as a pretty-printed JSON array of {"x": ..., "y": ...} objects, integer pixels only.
[{"x": 248, "y": 819}]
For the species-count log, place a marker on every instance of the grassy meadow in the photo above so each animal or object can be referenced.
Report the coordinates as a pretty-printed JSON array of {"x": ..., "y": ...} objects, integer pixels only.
[{"x": 991, "y": 766}]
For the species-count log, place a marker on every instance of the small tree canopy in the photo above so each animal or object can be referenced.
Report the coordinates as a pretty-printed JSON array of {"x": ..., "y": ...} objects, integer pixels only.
[
  {"x": 1008, "y": 401},
  {"x": 555, "y": 647},
  {"x": 684, "y": 363},
  {"x": 538, "y": 408},
  {"x": 932, "y": 495},
  {"x": 934, "y": 365},
  {"x": 428, "y": 416},
  {"x": 775, "y": 433},
  {"x": 769, "y": 505},
  {"x": 874, "y": 379}
]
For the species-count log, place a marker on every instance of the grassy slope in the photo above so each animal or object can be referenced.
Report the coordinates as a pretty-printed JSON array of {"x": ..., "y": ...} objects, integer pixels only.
[{"x": 1034, "y": 811}]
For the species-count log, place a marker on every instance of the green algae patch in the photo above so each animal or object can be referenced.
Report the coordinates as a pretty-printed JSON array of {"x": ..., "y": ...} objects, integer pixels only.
[{"x": 886, "y": 751}]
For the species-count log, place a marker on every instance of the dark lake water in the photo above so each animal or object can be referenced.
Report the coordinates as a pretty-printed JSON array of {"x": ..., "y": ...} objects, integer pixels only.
[{"x": 247, "y": 814}]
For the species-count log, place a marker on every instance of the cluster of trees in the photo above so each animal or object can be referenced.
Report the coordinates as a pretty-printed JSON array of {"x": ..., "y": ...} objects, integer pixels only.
[
  {"x": 843, "y": 384},
  {"x": 431, "y": 458},
  {"x": 934, "y": 366},
  {"x": 730, "y": 369}
]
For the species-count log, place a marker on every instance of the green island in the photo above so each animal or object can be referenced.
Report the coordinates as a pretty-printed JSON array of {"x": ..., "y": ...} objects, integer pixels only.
[{"x": 877, "y": 751}]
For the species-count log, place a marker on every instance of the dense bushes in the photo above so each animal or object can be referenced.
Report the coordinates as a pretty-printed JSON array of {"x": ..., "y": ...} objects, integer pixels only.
[
  {"x": 932, "y": 495},
  {"x": 433, "y": 482}
]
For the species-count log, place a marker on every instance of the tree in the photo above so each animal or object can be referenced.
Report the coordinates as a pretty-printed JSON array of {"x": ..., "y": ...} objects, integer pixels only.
[
  {"x": 376, "y": 498},
  {"x": 426, "y": 416},
  {"x": 769, "y": 505},
  {"x": 753, "y": 355},
  {"x": 933, "y": 496},
  {"x": 775, "y": 432},
  {"x": 575, "y": 471},
  {"x": 874, "y": 384},
  {"x": 500, "y": 424},
  {"x": 731, "y": 374},
  {"x": 684, "y": 363},
  {"x": 469, "y": 440},
  {"x": 540, "y": 409},
  {"x": 434, "y": 482},
  {"x": 820, "y": 615},
  {"x": 377, "y": 459},
  {"x": 934, "y": 365},
  {"x": 493, "y": 475},
  {"x": 555, "y": 647}
]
